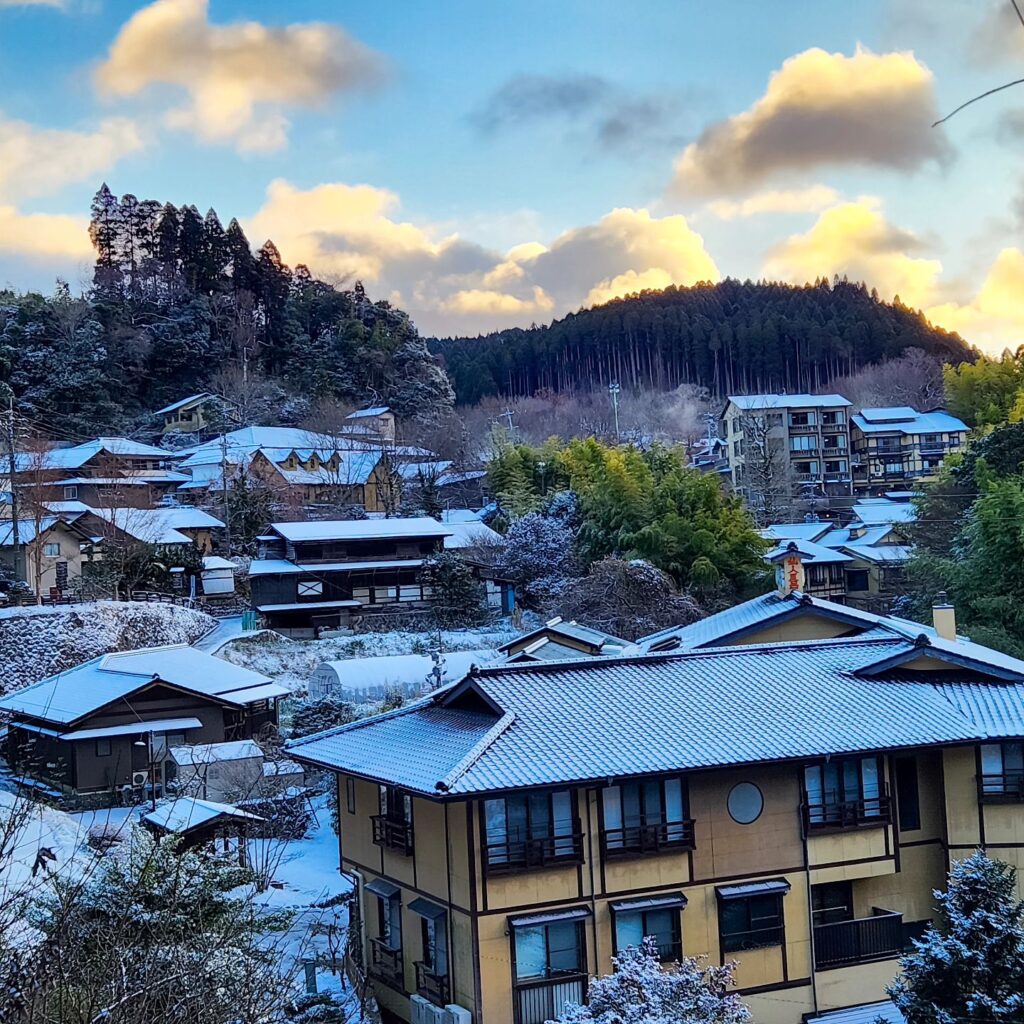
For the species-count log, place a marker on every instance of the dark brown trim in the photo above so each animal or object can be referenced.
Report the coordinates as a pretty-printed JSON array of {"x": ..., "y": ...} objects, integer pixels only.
[
  {"x": 474, "y": 917},
  {"x": 600, "y": 828},
  {"x": 859, "y": 860},
  {"x": 778, "y": 987},
  {"x": 482, "y": 824},
  {"x": 432, "y": 896},
  {"x": 590, "y": 865},
  {"x": 937, "y": 841},
  {"x": 988, "y": 846},
  {"x": 981, "y": 806}
]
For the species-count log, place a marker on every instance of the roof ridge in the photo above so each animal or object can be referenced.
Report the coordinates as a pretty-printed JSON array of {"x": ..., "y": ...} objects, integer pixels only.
[
  {"x": 477, "y": 751},
  {"x": 360, "y": 723}
]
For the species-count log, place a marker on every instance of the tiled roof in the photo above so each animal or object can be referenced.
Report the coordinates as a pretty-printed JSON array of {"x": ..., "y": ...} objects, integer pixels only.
[
  {"x": 813, "y": 554},
  {"x": 904, "y": 420},
  {"x": 586, "y": 720},
  {"x": 796, "y": 531}
]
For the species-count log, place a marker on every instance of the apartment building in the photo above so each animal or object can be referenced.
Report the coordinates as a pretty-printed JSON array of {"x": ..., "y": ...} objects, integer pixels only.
[
  {"x": 899, "y": 444},
  {"x": 783, "y": 784},
  {"x": 801, "y": 442}
]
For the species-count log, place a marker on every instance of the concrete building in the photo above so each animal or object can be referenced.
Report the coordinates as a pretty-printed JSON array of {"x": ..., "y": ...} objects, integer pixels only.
[
  {"x": 795, "y": 443},
  {"x": 783, "y": 784}
]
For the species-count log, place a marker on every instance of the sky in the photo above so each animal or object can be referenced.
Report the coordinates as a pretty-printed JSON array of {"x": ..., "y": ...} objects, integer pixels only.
[{"x": 488, "y": 165}]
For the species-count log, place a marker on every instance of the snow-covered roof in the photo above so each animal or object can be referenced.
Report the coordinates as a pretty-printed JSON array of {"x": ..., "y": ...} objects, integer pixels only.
[
  {"x": 155, "y": 725},
  {"x": 448, "y": 479},
  {"x": 207, "y": 753},
  {"x": 26, "y": 530},
  {"x": 353, "y": 468},
  {"x": 875, "y": 511},
  {"x": 592, "y": 719},
  {"x": 411, "y": 471},
  {"x": 572, "y": 630},
  {"x": 904, "y": 420},
  {"x": 362, "y": 529},
  {"x": 182, "y": 403},
  {"x": 356, "y": 675},
  {"x": 216, "y": 562},
  {"x": 813, "y": 554},
  {"x": 867, "y": 1013},
  {"x": 80, "y": 691},
  {"x": 79, "y": 454},
  {"x": 467, "y": 534},
  {"x": 789, "y": 401},
  {"x": 186, "y": 813},
  {"x": 460, "y": 515},
  {"x": 280, "y": 566},
  {"x": 796, "y": 531},
  {"x": 148, "y": 525},
  {"x": 888, "y": 554},
  {"x": 373, "y": 410}
]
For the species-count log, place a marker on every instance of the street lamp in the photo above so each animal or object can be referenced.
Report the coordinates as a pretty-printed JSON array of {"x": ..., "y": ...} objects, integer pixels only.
[
  {"x": 613, "y": 390},
  {"x": 150, "y": 774},
  {"x": 542, "y": 468}
]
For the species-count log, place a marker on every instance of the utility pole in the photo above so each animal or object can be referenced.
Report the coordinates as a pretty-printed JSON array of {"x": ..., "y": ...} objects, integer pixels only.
[
  {"x": 12, "y": 455},
  {"x": 224, "y": 489},
  {"x": 613, "y": 390}
]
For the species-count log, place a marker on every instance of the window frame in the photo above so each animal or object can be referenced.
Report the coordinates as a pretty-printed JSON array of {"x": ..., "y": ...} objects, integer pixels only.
[
  {"x": 51, "y": 549},
  {"x": 350, "y": 794},
  {"x": 110, "y": 747},
  {"x": 654, "y": 829},
  {"x": 776, "y": 932},
  {"x": 549, "y": 974},
  {"x": 533, "y": 841},
  {"x": 908, "y": 805},
  {"x": 675, "y": 919},
  {"x": 869, "y": 810}
]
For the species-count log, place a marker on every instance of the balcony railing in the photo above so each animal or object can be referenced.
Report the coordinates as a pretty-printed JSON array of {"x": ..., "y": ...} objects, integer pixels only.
[
  {"x": 933, "y": 447},
  {"x": 878, "y": 937},
  {"x": 546, "y": 999},
  {"x": 392, "y": 834},
  {"x": 386, "y": 962},
  {"x": 640, "y": 840},
  {"x": 873, "y": 812},
  {"x": 1001, "y": 788},
  {"x": 803, "y": 428},
  {"x": 431, "y": 985},
  {"x": 535, "y": 852}
]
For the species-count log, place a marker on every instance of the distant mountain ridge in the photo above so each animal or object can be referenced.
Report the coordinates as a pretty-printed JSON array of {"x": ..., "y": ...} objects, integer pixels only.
[{"x": 733, "y": 336}]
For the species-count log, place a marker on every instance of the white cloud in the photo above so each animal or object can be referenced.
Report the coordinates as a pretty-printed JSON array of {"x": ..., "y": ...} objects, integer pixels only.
[
  {"x": 36, "y": 161},
  {"x": 59, "y": 4},
  {"x": 820, "y": 108},
  {"x": 855, "y": 239},
  {"x": 802, "y": 200},
  {"x": 44, "y": 236},
  {"x": 239, "y": 77},
  {"x": 450, "y": 284}
]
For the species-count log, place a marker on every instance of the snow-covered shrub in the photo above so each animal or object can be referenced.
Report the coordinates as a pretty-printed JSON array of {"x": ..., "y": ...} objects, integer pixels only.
[
  {"x": 319, "y": 713},
  {"x": 538, "y": 548},
  {"x": 643, "y": 991},
  {"x": 37, "y": 642}
]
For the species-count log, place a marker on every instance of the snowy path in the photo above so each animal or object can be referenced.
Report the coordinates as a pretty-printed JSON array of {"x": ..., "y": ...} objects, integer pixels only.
[{"x": 227, "y": 629}]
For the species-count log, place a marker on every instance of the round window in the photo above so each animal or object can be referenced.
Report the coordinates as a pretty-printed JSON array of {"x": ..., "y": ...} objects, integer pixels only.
[{"x": 745, "y": 803}]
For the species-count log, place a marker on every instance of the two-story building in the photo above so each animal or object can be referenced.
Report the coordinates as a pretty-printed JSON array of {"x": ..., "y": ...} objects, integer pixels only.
[
  {"x": 809, "y": 435},
  {"x": 785, "y": 787},
  {"x": 106, "y": 727},
  {"x": 892, "y": 446},
  {"x": 187, "y": 415}
]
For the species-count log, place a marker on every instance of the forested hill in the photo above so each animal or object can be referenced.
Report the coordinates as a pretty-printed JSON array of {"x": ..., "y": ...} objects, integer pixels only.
[{"x": 731, "y": 336}]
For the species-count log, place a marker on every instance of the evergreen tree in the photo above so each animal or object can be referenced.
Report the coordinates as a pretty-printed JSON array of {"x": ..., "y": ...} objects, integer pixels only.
[
  {"x": 971, "y": 967},
  {"x": 319, "y": 713}
]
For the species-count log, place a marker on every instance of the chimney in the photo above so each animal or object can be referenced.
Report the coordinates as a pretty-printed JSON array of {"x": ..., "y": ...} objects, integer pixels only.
[
  {"x": 944, "y": 617},
  {"x": 789, "y": 570}
]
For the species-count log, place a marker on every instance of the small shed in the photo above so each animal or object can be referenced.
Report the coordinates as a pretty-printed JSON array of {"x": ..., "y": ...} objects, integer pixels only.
[
  {"x": 218, "y": 576},
  {"x": 202, "y": 823},
  {"x": 220, "y": 771},
  {"x": 363, "y": 679}
]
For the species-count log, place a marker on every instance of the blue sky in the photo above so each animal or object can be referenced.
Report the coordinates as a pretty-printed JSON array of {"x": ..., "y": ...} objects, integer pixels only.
[{"x": 495, "y": 164}]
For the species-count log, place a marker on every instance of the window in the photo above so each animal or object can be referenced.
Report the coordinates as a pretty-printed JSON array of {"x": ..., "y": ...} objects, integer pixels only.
[
  {"x": 833, "y": 418},
  {"x": 908, "y": 802},
  {"x": 806, "y": 468},
  {"x": 1002, "y": 770},
  {"x": 531, "y": 829},
  {"x": 548, "y": 950},
  {"x": 801, "y": 419},
  {"x": 70, "y": 493},
  {"x": 856, "y": 579},
  {"x": 361, "y": 594},
  {"x": 51, "y": 550},
  {"x": 409, "y": 592},
  {"x": 103, "y": 748},
  {"x": 389, "y": 921},
  {"x": 174, "y": 739},
  {"x": 395, "y": 805},
  {"x": 831, "y": 903},
  {"x": 434, "y": 938},
  {"x": 836, "y": 466},
  {"x": 835, "y": 441},
  {"x": 750, "y": 922},
  {"x": 745, "y": 803},
  {"x": 384, "y": 595},
  {"x": 310, "y": 588},
  {"x": 631, "y": 928},
  {"x": 803, "y": 443},
  {"x": 350, "y": 795},
  {"x": 893, "y": 467},
  {"x": 844, "y": 791},
  {"x": 642, "y": 817}
]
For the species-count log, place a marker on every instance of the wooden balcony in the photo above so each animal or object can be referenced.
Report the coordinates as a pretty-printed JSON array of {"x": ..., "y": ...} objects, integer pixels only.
[
  {"x": 430, "y": 985},
  {"x": 647, "y": 839},
  {"x": 840, "y": 816},
  {"x": 545, "y": 999},
  {"x": 533, "y": 853},
  {"x": 858, "y": 941},
  {"x": 392, "y": 835},
  {"x": 1002, "y": 788},
  {"x": 386, "y": 963}
]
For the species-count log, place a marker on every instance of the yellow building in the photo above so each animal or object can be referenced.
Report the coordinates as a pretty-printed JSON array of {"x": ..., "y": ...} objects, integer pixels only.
[
  {"x": 186, "y": 415},
  {"x": 785, "y": 787}
]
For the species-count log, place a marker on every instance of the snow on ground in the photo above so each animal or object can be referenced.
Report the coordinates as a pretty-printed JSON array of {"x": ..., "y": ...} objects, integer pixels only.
[
  {"x": 36, "y": 642},
  {"x": 292, "y": 662}
]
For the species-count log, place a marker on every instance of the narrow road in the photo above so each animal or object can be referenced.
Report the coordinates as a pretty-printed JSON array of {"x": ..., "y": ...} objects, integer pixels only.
[{"x": 227, "y": 629}]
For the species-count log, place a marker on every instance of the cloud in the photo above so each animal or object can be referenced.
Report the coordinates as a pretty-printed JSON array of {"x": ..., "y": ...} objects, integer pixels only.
[
  {"x": 994, "y": 318},
  {"x": 239, "y": 77},
  {"x": 44, "y": 236},
  {"x": 450, "y": 284},
  {"x": 34, "y": 161},
  {"x": 997, "y": 35},
  {"x": 803, "y": 200},
  {"x": 820, "y": 108},
  {"x": 59, "y": 4},
  {"x": 611, "y": 117},
  {"x": 855, "y": 239}
]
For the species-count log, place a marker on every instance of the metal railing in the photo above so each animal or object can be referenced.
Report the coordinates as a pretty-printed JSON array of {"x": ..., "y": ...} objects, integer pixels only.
[
  {"x": 546, "y": 999},
  {"x": 843, "y": 814},
  {"x": 431, "y": 985},
  {"x": 1006, "y": 787},
  {"x": 648, "y": 838},
  {"x": 535, "y": 852},
  {"x": 392, "y": 834},
  {"x": 878, "y": 937},
  {"x": 386, "y": 962}
]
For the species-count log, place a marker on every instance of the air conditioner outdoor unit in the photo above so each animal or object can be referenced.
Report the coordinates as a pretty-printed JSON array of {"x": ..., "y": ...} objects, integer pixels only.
[
  {"x": 438, "y": 1014},
  {"x": 139, "y": 779},
  {"x": 420, "y": 1010},
  {"x": 458, "y": 1014}
]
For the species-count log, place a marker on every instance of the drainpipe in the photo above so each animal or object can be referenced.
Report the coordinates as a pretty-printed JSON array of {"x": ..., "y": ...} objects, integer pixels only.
[{"x": 810, "y": 916}]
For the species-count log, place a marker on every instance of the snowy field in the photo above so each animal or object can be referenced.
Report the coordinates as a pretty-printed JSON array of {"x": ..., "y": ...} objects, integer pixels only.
[{"x": 292, "y": 662}]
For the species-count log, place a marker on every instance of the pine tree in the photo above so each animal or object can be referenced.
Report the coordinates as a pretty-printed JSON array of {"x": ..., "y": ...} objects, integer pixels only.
[
  {"x": 971, "y": 968},
  {"x": 104, "y": 223}
]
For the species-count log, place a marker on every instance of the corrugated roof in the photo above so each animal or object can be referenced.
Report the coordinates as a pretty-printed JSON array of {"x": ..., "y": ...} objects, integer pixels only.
[
  {"x": 181, "y": 403},
  {"x": 904, "y": 420},
  {"x": 362, "y": 529},
  {"x": 796, "y": 531},
  {"x": 611, "y": 717},
  {"x": 881, "y": 510},
  {"x": 789, "y": 401}
]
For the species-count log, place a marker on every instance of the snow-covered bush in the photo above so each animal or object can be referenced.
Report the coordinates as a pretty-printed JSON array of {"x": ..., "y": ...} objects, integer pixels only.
[
  {"x": 643, "y": 991},
  {"x": 971, "y": 968},
  {"x": 538, "y": 548},
  {"x": 37, "y": 642},
  {"x": 319, "y": 713}
]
